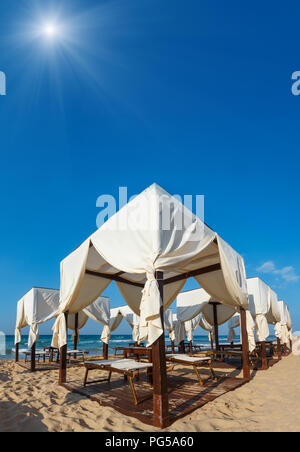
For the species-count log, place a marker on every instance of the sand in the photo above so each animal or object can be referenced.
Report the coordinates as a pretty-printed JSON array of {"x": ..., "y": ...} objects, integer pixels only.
[{"x": 35, "y": 403}]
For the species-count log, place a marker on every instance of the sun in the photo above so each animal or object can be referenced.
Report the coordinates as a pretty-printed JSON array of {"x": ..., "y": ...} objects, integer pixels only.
[{"x": 50, "y": 30}]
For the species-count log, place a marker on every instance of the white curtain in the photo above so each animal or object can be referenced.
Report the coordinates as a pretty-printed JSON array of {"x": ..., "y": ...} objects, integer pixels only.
[{"x": 262, "y": 331}]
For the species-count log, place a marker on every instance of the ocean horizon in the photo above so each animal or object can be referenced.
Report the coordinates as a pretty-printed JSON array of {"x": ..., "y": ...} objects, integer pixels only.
[{"x": 93, "y": 344}]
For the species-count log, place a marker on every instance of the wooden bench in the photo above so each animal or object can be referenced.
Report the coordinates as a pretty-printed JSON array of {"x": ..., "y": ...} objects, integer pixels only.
[
  {"x": 129, "y": 368},
  {"x": 195, "y": 362}
]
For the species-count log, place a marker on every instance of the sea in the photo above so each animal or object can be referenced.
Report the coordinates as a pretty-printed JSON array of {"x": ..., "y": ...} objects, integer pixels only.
[{"x": 92, "y": 344}]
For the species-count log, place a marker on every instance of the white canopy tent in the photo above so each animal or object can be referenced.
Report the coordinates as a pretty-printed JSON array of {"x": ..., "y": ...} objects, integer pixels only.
[
  {"x": 152, "y": 245},
  {"x": 194, "y": 302},
  {"x": 38, "y": 306},
  {"x": 284, "y": 331},
  {"x": 41, "y": 305}
]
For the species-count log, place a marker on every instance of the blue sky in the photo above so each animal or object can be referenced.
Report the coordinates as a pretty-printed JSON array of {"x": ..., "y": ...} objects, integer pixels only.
[{"x": 195, "y": 96}]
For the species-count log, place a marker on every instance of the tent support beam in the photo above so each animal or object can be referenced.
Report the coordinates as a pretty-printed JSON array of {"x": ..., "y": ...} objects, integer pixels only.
[
  {"x": 192, "y": 274},
  {"x": 33, "y": 349},
  {"x": 63, "y": 359},
  {"x": 264, "y": 363},
  {"x": 181, "y": 347},
  {"x": 216, "y": 326},
  {"x": 114, "y": 278},
  {"x": 17, "y": 352},
  {"x": 245, "y": 345},
  {"x": 279, "y": 349},
  {"x": 76, "y": 334},
  {"x": 181, "y": 277},
  {"x": 191, "y": 347},
  {"x": 285, "y": 350},
  {"x": 160, "y": 386}
]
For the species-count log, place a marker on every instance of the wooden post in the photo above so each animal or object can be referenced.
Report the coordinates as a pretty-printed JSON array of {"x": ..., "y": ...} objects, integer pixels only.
[
  {"x": 216, "y": 326},
  {"x": 181, "y": 347},
  {"x": 291, "y": 346},
  {"x": 211, "y": 342},
  {"x": 17, "y": 352},
  {"x": 160, "y": 385},
  {"x": 76, "y": 335},
  {"x": 264, "y": 362},
  {"x": 279, "y": 349},
  {"x": 173, "y": 346},
  {"x": 32, "y": 367},
  {"x": 285, "y": 350},
  {"x": 63, "y": 358},
  {"x": 191, "y": 347},
  {"x": 245, "y": 345},
  {"x": 105, "y": 351}
]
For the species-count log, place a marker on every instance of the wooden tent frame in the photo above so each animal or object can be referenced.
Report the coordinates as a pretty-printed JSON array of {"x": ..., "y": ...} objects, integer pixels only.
[{"x": 160, "y": 385}]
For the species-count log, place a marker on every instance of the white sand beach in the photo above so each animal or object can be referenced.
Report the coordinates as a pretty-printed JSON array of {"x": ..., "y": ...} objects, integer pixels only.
[{"x": 35, "y": 403}]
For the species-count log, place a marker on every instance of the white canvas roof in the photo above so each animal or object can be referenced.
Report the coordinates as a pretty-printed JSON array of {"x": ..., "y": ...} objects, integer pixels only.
[{"x": 132, "y": 245}]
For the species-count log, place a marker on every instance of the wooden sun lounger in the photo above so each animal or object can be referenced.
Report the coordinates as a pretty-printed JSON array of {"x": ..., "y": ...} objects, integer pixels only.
[
  {"x": 195, "y": 361},
  {"x": 38, "y": 355},
  {"x": 127, "y": 367},
  {"x": 76, "y": 353},
  {"x": 233, "y": 353}
]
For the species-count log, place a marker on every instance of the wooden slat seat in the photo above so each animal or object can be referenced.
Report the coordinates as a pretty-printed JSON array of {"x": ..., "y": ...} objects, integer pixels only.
[
  {"x": 127, "y": 367},
  {"x": 81, "y": 353},
  {"x": 195, "y": 361}
]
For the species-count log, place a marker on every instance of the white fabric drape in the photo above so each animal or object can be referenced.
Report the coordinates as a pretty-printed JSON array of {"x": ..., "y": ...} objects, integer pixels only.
[
  {"x": 262, "y": 307},
  {"x": 99, "y": 311},
  {"x": 250, "y": 330},
  {"x": 115, "y": 318},
  {"x": 136, "y": 329},
  {"x": 169, "y": 324},
  {"x": 137, "y": 243},
  {"x": 205, "y": 325},
  {"x": 82, "y": 320},
  {"x": 233, "y": 323},
  {"x": 262, "y": 331},
  {"x": 36, "y": 307},
  {"x": 285, "y": 322},
  {"x": 278, "y": 333}
]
